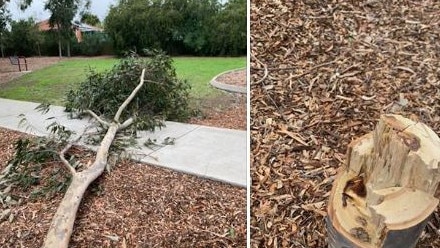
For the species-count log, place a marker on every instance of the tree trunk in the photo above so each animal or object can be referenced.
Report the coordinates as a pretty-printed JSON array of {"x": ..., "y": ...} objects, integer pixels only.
[
  {"x": 386, "y": 192},
  {"x": 61, "y": 226},
  {"x": 68, "y": 49},
  {"x": 59, "y": 41},
  {"x": 39, "y": 49}
]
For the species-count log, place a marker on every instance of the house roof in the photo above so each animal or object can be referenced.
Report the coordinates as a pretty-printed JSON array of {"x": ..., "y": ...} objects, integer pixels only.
[
  {"x": 45, "y": 26},
  {"x": 83, "y": 27}
]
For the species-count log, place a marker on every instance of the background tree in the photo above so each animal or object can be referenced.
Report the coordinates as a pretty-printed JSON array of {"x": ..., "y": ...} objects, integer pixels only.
[
  {"x": 23, "y": 37},
  {"x": 138, "y": 24},
  {"x": 94, "y": 44},
  {"x": 228, "y": 32},
  {"x": 194, "y": 28},
  {"x": 5, "y": 18},
  {"x": 90, "y": 19},
  {"x": 62, "y": 14},
  {"x": 179, "y": 27},
  {"x": 24, "y": 4}
]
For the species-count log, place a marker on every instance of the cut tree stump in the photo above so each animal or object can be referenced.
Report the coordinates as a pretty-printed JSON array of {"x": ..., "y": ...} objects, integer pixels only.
[{"x": 385, "y": 193}]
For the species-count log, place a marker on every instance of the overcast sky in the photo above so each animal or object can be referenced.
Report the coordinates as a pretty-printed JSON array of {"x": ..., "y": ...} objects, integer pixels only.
[{"x": 36, "y": 10}]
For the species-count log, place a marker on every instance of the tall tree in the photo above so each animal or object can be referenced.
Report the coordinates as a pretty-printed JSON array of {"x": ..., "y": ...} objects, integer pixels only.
[
  {"x": 229, "y": 32},
  {"x": 24, "y": 4},
  {"x": 62, "y": 14},
  {"x": 4, "y": 19}
]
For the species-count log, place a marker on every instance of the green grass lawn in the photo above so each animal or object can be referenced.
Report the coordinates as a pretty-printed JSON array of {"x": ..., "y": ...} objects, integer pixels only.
[{"x": 51, "y": 83}]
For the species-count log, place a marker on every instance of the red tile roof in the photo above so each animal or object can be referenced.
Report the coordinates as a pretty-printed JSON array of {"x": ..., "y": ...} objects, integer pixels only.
[{"x": 44, "y": 25}]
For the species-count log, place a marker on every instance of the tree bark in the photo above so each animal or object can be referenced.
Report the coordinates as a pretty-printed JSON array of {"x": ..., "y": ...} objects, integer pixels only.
[
  {"x": 60, "y": 54},
  {"x": 62, "y": 223},
  {"x": 386, "y": 192},
  {"x": 68, "y": 49},
  {"x": 39, "y": 49}
]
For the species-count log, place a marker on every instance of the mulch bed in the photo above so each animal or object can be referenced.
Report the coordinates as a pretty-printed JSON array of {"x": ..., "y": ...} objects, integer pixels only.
[
  {"x": 228, "y": 110},
  {"x": 135, "y": 205},
  {"x": 237, "y": 78},
  {"x": 322, "y": 72}
]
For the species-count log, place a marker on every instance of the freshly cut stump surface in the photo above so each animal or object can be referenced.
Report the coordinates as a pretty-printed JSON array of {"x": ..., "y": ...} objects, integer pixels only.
[{"x": 386, "y": 191}]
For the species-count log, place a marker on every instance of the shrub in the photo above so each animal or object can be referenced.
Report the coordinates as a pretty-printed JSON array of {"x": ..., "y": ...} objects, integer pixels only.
[
  {"x": 163, "y": 96},
  {"x": 94, "y": 44}
]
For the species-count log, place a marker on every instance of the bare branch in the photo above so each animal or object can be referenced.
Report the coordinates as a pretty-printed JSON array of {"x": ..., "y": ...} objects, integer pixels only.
[
  {"x": 126, "y": 123},
  {"x": 64, "y": 160},
  {"x": 128, "y": 100},
  {"x": 67, "y": 147},
  {"x": 104, "y": 123}
]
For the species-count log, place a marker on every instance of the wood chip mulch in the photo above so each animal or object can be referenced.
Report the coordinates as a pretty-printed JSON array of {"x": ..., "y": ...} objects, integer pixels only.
[
  {"x": 227, "y": 110},
  {"x": 322, "y": 72},
  {"x": 136, "y": 205},
  {"x": 237, "y": 78}
]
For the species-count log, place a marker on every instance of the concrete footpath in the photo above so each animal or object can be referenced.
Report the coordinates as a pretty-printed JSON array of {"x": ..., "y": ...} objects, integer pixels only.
[{"x": 210, "y": 152}]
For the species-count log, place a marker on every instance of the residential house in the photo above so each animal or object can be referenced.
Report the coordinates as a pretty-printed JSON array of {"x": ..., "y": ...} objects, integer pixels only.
[{"x": 79, "y": 28}]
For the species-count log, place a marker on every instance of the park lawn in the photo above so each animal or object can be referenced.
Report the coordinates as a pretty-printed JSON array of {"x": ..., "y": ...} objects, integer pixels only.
[
  {"x": 50, "y": 84},
  {"x": 200, "y": 70}
]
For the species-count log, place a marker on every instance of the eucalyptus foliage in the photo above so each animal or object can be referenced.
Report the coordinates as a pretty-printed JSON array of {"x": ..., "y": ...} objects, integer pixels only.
[
  {"x": 163, "y": 97},
  {"x": 196, "y": 27},
  {"x": 32, "y": 156}
]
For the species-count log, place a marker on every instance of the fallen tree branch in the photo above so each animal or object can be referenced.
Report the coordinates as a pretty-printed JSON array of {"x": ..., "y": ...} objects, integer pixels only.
[
  {"x": 104, "y": 123},
  {"x": 61, "y": 227},
  {"x": 129, "y": 98}
]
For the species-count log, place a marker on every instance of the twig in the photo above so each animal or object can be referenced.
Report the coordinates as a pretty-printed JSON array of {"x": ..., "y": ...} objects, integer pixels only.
[
  {"x": 126, "y": 123},
  {"x": 130, "y": 97},
  {"x": 310, "y": 70},
  {"x": 64, "y": 160},
  {"x": 435, "y": 229},
  {"x": 104, "y": 123},
  {"x": 265, "y": 88},
  {"x": 403, "y": 68},
  {"x": 266, "y": 72},
  {"x": 207, "y": 231},
  {"x": 66, "y": 148},
  {"x": 344, "y": 98},
  {"x": 293, "y": 68}
]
